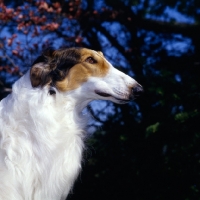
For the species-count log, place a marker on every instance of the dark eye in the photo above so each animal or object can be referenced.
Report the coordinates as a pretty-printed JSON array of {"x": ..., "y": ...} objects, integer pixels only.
[{"x": 90, "y": 60}]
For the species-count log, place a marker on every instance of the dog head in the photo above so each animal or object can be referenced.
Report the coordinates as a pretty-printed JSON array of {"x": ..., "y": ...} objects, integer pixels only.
[{"x": 85, "y": 72}]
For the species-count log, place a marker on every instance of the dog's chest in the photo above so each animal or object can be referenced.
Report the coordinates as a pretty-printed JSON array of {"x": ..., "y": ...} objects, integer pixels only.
[{"x": 64, "y": 157}]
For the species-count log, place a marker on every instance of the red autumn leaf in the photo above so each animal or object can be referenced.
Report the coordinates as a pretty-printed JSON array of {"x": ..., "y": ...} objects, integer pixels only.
[
  {"x": 15, "y": 52},
  {"x": 43, "y": 6},
  {"x": 9, "y": 41},
  {"x": 56, "y": 5},
  {"x": 78, "y": 39}
]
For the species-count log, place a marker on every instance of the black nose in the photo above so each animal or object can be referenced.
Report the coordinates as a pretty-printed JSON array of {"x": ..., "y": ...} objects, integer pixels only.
[{"x": 137, "y": 91}]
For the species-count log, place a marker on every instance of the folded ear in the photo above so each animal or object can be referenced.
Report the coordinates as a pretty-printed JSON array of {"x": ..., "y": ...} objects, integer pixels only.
[
  {"x": 40, "y": 71},
  {"x": 40, "y": 74}
]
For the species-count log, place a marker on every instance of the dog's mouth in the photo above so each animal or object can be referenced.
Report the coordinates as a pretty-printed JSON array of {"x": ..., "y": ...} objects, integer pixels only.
[{"x": 103, "y": 94}]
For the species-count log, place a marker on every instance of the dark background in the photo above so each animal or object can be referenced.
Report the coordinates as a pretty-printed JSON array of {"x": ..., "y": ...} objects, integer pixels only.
[{"x": 150, "y": 148}]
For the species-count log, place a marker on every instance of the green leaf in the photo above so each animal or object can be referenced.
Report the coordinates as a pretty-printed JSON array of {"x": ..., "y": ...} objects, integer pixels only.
[
  {"x": 152, "y": 129},
  {"x": 181, "y": 117}
]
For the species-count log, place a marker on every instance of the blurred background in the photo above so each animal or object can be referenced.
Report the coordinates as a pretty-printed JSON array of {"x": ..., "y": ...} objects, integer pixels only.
[{"x": 147, "y": 149}]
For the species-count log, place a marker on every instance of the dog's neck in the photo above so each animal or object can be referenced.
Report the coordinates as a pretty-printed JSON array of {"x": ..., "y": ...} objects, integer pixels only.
[{"x": 50, "y": 112}]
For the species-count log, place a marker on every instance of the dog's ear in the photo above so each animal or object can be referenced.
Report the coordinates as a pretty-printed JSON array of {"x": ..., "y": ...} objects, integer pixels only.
[
  {"x": 40, "y": 74},
  {"x": 40, "y": 70}
]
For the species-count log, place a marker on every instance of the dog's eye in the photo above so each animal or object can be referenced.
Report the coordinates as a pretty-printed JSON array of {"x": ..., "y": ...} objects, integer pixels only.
[{"x": 90, "y": 60}]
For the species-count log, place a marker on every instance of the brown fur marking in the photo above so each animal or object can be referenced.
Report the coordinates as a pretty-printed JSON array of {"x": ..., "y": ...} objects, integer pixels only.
[{"x": 79, "y": 73}]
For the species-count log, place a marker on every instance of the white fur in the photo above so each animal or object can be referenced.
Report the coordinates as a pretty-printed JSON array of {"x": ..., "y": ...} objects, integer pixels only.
[{"x": 42, "y": 136}]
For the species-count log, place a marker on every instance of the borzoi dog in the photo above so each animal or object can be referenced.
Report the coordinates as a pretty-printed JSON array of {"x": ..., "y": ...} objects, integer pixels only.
[{"x": 42, "y": 125}]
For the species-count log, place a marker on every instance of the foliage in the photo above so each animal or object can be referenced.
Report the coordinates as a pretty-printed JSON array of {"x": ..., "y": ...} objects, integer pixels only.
[{"x": 145, "y": 150}]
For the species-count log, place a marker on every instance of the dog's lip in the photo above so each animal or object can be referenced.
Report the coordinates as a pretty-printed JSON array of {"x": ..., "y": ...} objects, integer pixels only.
[{"x": 104, "y": 94}]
